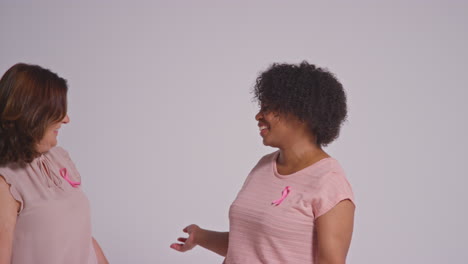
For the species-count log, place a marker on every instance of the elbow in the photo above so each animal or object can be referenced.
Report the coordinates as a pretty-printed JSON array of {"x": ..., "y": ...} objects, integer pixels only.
[{"x": 332, "y": 260}]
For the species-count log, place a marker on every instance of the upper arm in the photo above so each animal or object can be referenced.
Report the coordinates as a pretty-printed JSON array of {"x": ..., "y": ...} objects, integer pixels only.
[
  {"x": 334, "y": 231},
  {"x": 9, "y": 208}
]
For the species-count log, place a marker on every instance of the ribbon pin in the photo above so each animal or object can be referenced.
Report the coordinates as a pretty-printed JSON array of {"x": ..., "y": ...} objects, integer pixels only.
[
  {"x": 64, "y": 174},
  {"x": 285, "y": 193}
]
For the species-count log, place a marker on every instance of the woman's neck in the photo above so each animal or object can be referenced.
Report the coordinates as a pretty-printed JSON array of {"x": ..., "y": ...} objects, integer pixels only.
[{"x": 298, "y": 156}]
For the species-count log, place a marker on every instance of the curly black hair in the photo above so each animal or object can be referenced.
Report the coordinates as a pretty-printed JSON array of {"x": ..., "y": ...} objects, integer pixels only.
[{"x": 312, "y": 94}]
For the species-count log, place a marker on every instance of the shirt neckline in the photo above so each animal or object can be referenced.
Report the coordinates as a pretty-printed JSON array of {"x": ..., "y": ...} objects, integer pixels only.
[{"x": 299, "y": 172}]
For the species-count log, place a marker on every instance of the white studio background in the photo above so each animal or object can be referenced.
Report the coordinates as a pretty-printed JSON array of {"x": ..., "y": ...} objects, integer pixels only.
[{"x": 162, "y": 119}]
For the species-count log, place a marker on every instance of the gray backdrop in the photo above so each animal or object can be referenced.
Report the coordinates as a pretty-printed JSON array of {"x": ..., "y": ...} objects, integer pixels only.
[{"x": 162, "y": 122}]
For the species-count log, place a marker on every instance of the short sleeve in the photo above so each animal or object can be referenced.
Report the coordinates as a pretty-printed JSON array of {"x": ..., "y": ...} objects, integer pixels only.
[
  {"x": 13, "y": 189},
  {"x": 334, "y": 189}
]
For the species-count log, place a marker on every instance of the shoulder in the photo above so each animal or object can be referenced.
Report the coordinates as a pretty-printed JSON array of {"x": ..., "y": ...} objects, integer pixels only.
[
  {"x": 268, "y": 158},
  {"x": 325, "y": 172},
  {"x": 333, "y": 180},
  {"x": 265, "y": 162},
  {"x": 9, "y": 193},
  {"x": 335, "y": 171},
  {"x": 58, "y": 152},
  {"x": 326, "y": 168},
  {"x": 332, "y": 187},
  {"x": 260, "y": 167},
  {"x": 12, "y": 170}
]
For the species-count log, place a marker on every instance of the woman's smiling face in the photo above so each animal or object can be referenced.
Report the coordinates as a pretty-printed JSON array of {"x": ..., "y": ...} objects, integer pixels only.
[
  {"x": 49, "y": 140},
  {"x": 273, "y": 126}
]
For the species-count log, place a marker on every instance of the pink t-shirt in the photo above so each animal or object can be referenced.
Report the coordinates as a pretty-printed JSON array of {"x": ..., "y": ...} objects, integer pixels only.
[
  {"x": 261, "y": 232},
  {"x": 53, "y": 225}
]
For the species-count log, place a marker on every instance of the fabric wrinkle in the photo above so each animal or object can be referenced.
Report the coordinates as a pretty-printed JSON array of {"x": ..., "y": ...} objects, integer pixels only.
[
  {"x": 54, "y": 226},
  {"x": 47, "y": 172}
]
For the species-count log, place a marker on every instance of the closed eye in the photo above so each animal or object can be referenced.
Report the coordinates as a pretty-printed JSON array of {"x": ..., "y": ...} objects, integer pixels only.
[{"x": 265, "y": 109}]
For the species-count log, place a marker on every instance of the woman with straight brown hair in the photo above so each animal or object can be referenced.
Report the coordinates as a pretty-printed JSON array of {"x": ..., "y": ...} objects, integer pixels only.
[{"x": 44, "y": 215}]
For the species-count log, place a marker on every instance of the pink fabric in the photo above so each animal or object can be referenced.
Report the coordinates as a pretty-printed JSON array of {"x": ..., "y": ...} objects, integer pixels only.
[
  {"x": 64, "y": 174},
  {"x": 53, "y": 225},
  {"x": 261, "y": 232},
  {"x": 284, "y": 194}
]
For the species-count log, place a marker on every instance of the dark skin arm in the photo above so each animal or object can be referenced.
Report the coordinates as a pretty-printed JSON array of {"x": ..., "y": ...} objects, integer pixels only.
[
  {"x": 211, "y": 240},
  {"x": 334, "y": 232}
]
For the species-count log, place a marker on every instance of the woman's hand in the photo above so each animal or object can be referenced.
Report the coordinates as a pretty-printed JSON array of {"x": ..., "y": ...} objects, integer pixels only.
[
  {"x": 211, "y": 240},
  {"x": 187, "y": 242}
]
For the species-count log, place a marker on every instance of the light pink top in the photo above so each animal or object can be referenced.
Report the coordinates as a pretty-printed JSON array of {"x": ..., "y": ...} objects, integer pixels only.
[
  {"x": 263, "y": 232},
  {"x": 53, "y": 225}
]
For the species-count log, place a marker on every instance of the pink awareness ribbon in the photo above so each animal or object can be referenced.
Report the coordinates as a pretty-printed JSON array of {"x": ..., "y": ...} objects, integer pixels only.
[
  {"x": 284, "y": 194},
  {"x": 64, "y": 174}
]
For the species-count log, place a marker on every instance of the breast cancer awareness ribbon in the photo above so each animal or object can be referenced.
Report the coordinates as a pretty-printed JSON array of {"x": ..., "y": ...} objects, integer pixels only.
[
  {"x": 64, "y": 174},
  {"x": 284, "y": 194}
]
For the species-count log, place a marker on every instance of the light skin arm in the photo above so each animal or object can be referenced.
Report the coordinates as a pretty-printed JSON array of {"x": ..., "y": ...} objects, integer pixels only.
[
  {"x": 211, "y": 240},
  {"x": 9, "y": 208},
  {"x": 334, "y": 231},
  {"x": 99, "y": 253}
]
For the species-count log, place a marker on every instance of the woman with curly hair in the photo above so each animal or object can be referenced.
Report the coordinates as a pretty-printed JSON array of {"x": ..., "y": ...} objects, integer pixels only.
[
  {"x": 296, "y": 205},
  {"x": 44, "y": 215}
]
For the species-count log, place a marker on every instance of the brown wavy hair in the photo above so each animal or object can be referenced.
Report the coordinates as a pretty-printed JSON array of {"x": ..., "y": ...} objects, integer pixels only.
[{"x": 31, "y": 99}]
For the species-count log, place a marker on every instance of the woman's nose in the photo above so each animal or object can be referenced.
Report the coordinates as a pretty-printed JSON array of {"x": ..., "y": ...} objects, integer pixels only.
[
  {"x": 258, "y": 116},
  {"x": 66, "y": 119}
]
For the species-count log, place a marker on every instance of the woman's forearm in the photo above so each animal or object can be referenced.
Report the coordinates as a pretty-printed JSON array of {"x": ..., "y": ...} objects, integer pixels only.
[
  {"x": 213, "y": 241},
  {"x": 101, "y": 258}
]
